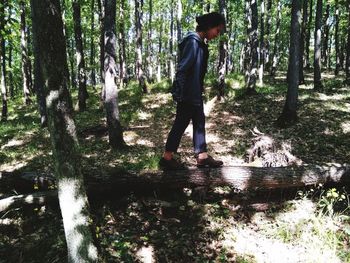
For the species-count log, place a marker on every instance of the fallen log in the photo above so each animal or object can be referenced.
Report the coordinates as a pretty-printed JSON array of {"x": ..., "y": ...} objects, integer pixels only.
[{"x": 116, "y": 181}]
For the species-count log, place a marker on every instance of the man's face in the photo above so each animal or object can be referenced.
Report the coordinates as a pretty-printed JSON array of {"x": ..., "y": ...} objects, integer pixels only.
[{"x": 214, "y": 32}]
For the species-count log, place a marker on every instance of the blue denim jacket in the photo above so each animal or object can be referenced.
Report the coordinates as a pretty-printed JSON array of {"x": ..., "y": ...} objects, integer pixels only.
[{"x": 191, "y": 69}]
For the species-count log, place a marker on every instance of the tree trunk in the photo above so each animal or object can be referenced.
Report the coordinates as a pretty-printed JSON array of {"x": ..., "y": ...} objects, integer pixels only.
[
  {"x": 159, "y": 66},
  {"x": 317, "y": 51},
  {"x": 115, "y": 132},
  {"x": 308, "y": 36},
  {"x": 326, "y": 27},
  {"x": 252, "y": 56},
  {"x": 3, "y": 87},
  {"x": 171, "y": 45},
  {"x": 39, "y": 81},
  {"x": 289, "y": 114},
  {"x": 24, "y": 50},
  {"x": 268, "y": 32},
  {"x": 10, "y": 75},
  {"x": 101, "y": 15},
  {"x": 139, "y": 65},
  {"x": 149, "y": 53},
  {"x": 347, "y": 69},
  {"x": 302, "y": 42},
  {"x": 122, "y": 49},
  {"x": 48, "y": 34},
  {"x": 92, "y": 45},
  {"x": 275, "y": 52},
  {"x": 238, "y": 177},
  {"x": 336, "y": 36},
  {"x": 222, "y": 54},
  {"x": 262, "y": 43},
  {"x": 82, "y": 95}
]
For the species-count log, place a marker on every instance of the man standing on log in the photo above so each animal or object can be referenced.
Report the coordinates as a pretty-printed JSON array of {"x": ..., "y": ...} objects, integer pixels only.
[{"x": 187, "y": 91}]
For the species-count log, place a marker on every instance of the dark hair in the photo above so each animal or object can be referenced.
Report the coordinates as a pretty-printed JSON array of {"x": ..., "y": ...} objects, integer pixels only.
[{"x": 209, "y": 20}]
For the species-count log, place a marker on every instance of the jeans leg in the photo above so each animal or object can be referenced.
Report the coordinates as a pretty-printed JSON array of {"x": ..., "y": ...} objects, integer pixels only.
[
  {"x": 198, "y": 120},
  {"x": 182, "y": 119}
]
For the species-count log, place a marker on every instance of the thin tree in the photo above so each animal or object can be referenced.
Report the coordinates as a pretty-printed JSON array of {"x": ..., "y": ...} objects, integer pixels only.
[
  {"x": 159, "y": 61},
  {"x": 82, "y": 91},
  {"x": 48, "y": 34},
  {"x": 268, "y": 32},
  {"x": 307, "y": 64},
  {"x": 92, "y": 44},
  {"x": 317, "y": 51},
  {"x": 262, "y": 42},
  {"x": 347, "y": 69},
  {"x": 122, "y": 44},
  {"x": 289, "y": 113},
  {"x": 326, "y": 29},
  {"x": 24, "y": 50},
  {"x": 251, "y": 60},
  {"x": 101, "y": 15},
  {"x": 302, "y": 42},
  {"x": 149, "y": 43},
  {"x": 222, "y": 54},
  {"x": 336, "y": 36},
  {"x": 4, "y": 110},
  {"x": 115, "y": 132},
  {"x": 171, "y": 45},
  {"x": 275, "y": 51},
  {"x": 139, "y": 65}
]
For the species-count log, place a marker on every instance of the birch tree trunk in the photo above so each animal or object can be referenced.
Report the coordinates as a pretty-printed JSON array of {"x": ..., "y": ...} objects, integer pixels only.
[
  {"x": 317, "y": 51},
  {"x": 82, "y": 95},
  {"x": 149, "y": 53},
  {"x": 24, "y": 51},
  {"x": 115, "y": 132},
  {"x": 289, "y": 113},
  {"x": 48, "y": 34}
]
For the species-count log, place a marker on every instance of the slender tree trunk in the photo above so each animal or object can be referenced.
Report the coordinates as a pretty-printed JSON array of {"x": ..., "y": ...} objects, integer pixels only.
[
  {"x": 149, "y": 44},
  {"x": 275, "y": 52},
  {"x": 171, "y": 45},
  {"x": 317, "y": 52},
  {"x": 139, "y": 65},
  {"x": 289, "y": 114},
  {"x": 101, "y": 14},
  {"x": 222, "y": 55},
  {"x": 122, "y": 48},
  {"x": 10, "y": 74},
  {"x": 336, "y": 36},
  {"x": 307, "y": 64},
  {"x": 24, "y": 50},
  {"x": 262, "y": 43},
  {"x": 326, "y": 26},
  {"x": 48, "y": 34},
  {"x": 30, "y": 69},
  {"x": 342, "y": 54},
  {"x": 159, "y": 67},
  {"x": 82, "y": 95},
  {"x": 252, "y": 56},
  {"x": 268, "y": 32},
  {"x": 115, "y": 132},
  {"x": 92, "y": 45},
  {"x": 347, "y": 69},
  {"x": 302, "y": 42},
  {"x": 4, "y": 110}
]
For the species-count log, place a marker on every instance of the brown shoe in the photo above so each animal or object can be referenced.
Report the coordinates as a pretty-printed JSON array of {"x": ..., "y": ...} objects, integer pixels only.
[
  {"x": 171, "y": 164},
  {"x": 209, "y": 162}
]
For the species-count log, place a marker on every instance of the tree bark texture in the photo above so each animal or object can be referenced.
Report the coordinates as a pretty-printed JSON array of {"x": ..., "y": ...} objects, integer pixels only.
[
  {"x": 101, "y": 15},
  {"x": 115, "y": 132},
  {"x": 302, "y": 42},
  {"x": 222, "y": 54},
  {"x": 347, "y": 70},
  {"x": 48, "y": 34},
  {"x": 92, "y": 45},
  {"x": 238, "y": 177},
  {"x": 82, "y": 91},
  {"x": 24, "y": 51},
  {"x": 289, "y": 113},
  {"x": 317, "y": 50},
  {"x": 4, "y": 109},
  {"x": 252, "y": 46},
  {"x": 275, "y": 53},
  {"x": 336, "y": 36},
  {"x": 122, "y": 45},
  {"x": 268, "y": 32},
  {"x": 139, "y": 64},
  {"x": 326, "y": 28},
  {"x": 308, "y": 36},
  {"x": 262, "y": 42}
]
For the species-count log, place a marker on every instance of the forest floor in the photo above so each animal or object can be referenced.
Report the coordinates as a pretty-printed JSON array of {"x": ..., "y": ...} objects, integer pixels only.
[{"x": 223, "y": 225}]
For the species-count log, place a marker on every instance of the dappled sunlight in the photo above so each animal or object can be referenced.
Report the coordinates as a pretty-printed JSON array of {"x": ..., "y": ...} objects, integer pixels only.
[
  {"x": 146, "y": 254},
  {"x": 346, "y": 126}
]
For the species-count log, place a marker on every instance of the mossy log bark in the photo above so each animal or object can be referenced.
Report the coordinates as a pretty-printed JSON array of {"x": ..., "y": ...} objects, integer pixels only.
[{"x": 115, "y": 181}]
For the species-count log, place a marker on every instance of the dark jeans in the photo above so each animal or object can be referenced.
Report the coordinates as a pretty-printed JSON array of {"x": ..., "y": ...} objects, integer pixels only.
[{"x": 184, "y": 114}]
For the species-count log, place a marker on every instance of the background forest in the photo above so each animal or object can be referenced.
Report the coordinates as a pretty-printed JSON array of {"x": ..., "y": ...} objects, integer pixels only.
[{"x": 85, "y": 101}]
